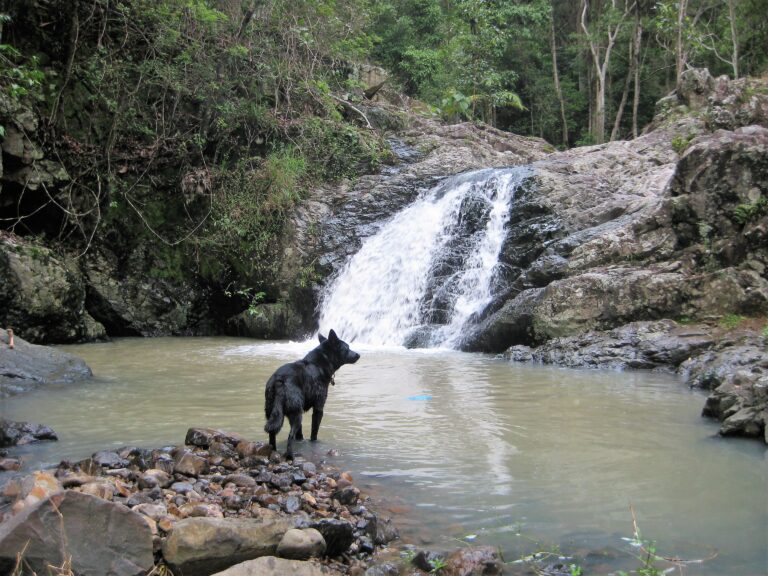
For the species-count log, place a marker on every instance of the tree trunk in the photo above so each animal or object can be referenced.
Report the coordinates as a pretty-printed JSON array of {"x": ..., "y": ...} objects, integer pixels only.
[
  {"x": 734, "y": 38},
  {"x": 680, "y": 55},
  {"x": 601, "y": 68},
  {"x": 624, "y": 94},
  {"x": 636, "y": 97},
  {"x": 556, "y": 76}
]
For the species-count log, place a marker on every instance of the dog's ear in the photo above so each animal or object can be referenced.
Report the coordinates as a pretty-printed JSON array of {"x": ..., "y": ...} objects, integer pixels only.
[
  {"x": 321, "y": 338},
  {"x": 332, "y": 337}
]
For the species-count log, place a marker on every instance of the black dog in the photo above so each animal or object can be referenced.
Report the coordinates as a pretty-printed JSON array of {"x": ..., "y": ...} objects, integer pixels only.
[{"x": 296, "y": 387}]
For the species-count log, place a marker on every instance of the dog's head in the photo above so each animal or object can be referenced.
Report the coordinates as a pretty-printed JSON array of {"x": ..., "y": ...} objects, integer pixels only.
[{"x": 337, "y": 350}]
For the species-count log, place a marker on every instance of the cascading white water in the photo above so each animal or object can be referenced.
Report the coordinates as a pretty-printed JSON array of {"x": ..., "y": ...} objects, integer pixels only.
[{"x": 399, "y": 280}]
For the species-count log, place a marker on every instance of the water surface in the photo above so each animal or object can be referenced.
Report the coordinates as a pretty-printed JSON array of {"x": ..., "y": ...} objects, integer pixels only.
[{"x": 457, "y": 445}]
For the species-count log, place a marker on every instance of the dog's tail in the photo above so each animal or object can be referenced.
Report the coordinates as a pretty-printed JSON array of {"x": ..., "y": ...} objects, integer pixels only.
[{"x": 274, "y": 407}]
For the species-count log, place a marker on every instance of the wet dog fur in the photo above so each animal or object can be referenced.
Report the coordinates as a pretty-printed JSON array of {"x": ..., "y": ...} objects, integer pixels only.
[{"x": 296, "y": 387}]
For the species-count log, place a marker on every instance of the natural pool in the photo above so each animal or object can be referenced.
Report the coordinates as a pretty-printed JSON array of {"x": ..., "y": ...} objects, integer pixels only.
[{"x": 454, "y": 444}]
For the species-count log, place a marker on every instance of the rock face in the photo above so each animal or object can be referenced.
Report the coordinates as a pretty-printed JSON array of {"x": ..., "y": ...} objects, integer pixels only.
[
  {"x": 331, "y": 225},
  {"x": 128, "y": 302},
  {"x": 42, "y": 296},
  {"x": 27, "y": 366},
  {"x": 96, "y": 536}
]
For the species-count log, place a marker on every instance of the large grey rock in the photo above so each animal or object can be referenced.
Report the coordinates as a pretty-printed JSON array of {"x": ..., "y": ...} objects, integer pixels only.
[
  {"x": 202, "y": 546},
  {"x": 28, "y": 366},
  {"x": 97, "y": 536},
  {"x": 656, "y": 344},
  {"x": 271, "y": 566},
  {"x": 43, "y": 294}
]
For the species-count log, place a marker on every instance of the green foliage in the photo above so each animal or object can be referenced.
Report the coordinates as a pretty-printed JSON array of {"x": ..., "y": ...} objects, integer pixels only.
[
  {"x": 744, "y": 213},
  {"x": 731, "y": 321},
  {"x": 765, "y": 331},
  {"x": 252, "y": 297},
  {"x": 680, "y": 143},
  {"x": 437, "y": 564},
  {"x": 336, "y": 150},
  {"x": 20, "y": 76}
]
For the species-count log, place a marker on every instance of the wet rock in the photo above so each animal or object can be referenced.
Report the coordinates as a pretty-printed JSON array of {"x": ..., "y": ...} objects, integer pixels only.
[
  {"x": 35, "y": 488},
  {"x": 385, "y": 569},
  {"x": 154, "y": 511},
  {"x": 663, "y": 343},
  {"x": 110, "y": 538},
  {"x": 735, "y": 370},
  {"x": 301, "y": 544},
  {"x": 425, "y": 560},
  {"x": 202, "y": 546},
  {"x": 99, "y": 489},
  {"x": 28, "y": 366},
  {"x": 338, "y": 535},
  {"x": 153, "y": 478},
  {"x": 246, "y": 448},
  {"x": 241, "y": 480},
  {"x": 271, "y": 566},
  {"x": 204, "y": 437},
  {"x": 20, "y": 433},
  {"x": 200, "y": 510},
  {"x": 9, "y": 464},
  {"x": 385, "y": 530},
  {"x": 190, "y": 464},
  {"x": 108, "y": 459},
  {"x": 475, "y": 561},
  {"x": 347, "y": 495},
  {"x": 291, "y": 504}
]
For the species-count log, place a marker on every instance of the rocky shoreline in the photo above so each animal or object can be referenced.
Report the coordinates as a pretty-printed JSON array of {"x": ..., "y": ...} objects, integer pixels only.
[{"x": 216, "y": 501}]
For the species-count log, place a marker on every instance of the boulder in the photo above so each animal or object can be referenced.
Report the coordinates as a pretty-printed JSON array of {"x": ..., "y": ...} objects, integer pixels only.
[
  {"x": 29, "y": 366},
  {"x": 43, "y": 295},
  {"x": 202, "y": 546},
  {"x": 96, "y": 536},
  {"x": 475, "y": 561},
  {"x": 337, "y": 533},
  {"x": 271, "y": 566},
  {"x": 301, "y": 544},
  {"x": 20, "y": 433},
  {"x": 654, "y": 344}
]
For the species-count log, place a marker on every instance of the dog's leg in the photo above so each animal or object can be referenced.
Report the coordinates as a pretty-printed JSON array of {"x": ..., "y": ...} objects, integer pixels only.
[
  {"x": 273, "y": 440},
  {"x": 317, "y": 416},
  {"x": 299, "y": 433},
  {"x": 295, "y": 420}
]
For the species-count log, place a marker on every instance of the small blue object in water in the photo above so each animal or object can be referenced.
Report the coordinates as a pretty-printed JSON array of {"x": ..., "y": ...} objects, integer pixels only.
[{"x": 420, "y": 397}]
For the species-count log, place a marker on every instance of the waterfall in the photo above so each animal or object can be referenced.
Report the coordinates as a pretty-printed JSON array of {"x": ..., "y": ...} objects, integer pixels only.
[{"x": 430, "y": 270}]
